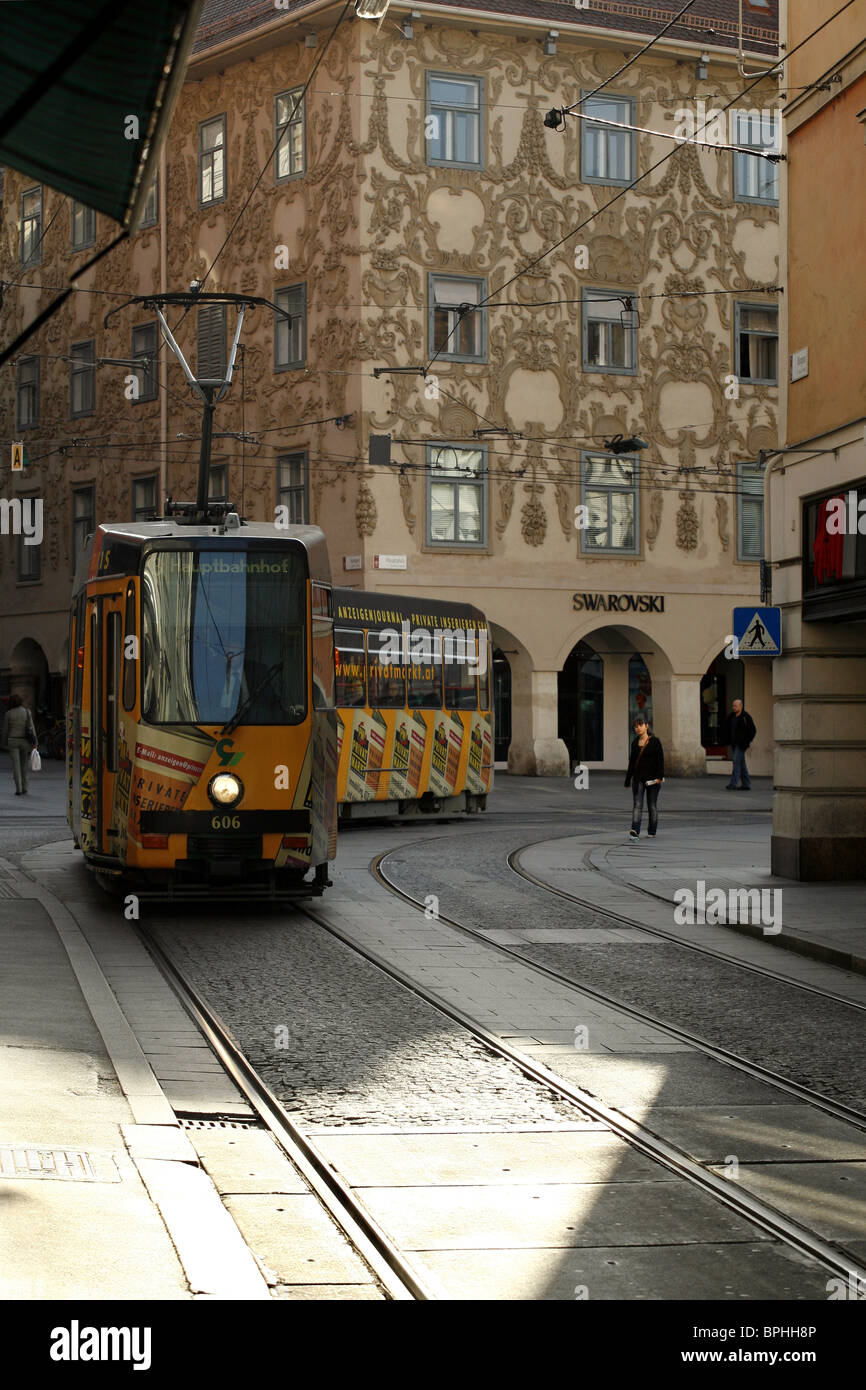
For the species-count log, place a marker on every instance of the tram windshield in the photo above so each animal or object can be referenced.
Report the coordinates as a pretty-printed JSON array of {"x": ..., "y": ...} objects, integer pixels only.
[{"x": 223, "y": 631}]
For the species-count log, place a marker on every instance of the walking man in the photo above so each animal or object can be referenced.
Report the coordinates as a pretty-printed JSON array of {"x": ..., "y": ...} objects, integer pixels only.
[
  {"x": 741, "y": 733},
  {"x": 19, "y": 735}
]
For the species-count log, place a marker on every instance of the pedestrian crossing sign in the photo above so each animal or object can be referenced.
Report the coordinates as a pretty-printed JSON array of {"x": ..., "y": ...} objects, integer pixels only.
[
  {"x": 19, "y": 457},
  {"x": 758, "y": 631}
]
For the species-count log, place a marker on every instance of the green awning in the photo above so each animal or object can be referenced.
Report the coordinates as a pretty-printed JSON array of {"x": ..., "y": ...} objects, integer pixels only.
[{"x": 72, "y": 73}]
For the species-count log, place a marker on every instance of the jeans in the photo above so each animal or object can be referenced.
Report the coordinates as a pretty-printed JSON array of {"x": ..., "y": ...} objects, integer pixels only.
[
  {"x": 19, "y": 751},
  {"x": 652, "y": 799},
  {"x": 739, "y": 771}
]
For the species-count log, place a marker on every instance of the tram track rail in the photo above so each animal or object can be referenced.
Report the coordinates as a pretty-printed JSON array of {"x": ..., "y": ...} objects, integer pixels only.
[
  {"x": 835, "y": 1109},
  {"x": 833, "y": 1256},
  {"x": 619, "y": 920},
  {"x": 397, "y": 1277}
]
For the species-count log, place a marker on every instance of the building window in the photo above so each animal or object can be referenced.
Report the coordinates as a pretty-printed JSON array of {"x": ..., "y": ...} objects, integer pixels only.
[
  {"x": 756, "y": 330},
  {"x": 453, "y": 120},
  {"x": 289, "y": 134},
  {"x": 29, "y": 555},
  {"x": 83, "y": 226},
  {"x": 28, "y": 393},
  {"x": 609, "y": 343},
  {"x": 82, "y": 379},
  {"x": 217, "y": 483},
  {"x": 212, "y": 161},
  {"x": 607, "y": 155},
  {"x": 83, "y": 521},
  {"x": 756, "y": 180},
  {"x": 211, "y": 358},
  {"x": 609, "y": 492},
  {"x": 456, "y": 496},
  {"x": 150, "y": 211},
  {"x": 290, "y": 338},
  {"x": 31, "y": 227},
  {"x": 293, "y": 487},
  {"x": 144, "y": 498},
  {"x": 750, "y": 512},
  {"x": 456, "y": 332},
  {"x": 145, "y": 344}
]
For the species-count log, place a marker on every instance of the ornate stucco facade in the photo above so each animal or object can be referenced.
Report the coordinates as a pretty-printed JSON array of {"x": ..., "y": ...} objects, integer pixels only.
[{"x": 365, "y": 226}]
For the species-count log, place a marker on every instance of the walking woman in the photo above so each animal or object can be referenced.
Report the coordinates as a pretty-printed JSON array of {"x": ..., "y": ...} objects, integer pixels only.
[
  {"x": 15, "y": 736},
  {"x": 646, "y": 772}
]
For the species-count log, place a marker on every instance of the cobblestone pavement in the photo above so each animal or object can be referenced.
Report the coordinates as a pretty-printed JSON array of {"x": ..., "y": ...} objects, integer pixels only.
[
  {"x": 810, "y": 1040},
  {"x": 337, "y": 1040}
]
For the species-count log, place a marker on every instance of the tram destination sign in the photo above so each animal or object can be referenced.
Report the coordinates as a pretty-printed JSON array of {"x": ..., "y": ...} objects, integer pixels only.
[{"x": 618, "y": 603}]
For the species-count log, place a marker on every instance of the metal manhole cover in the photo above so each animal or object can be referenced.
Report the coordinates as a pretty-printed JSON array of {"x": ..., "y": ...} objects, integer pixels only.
[{"x": 66, "y": 1165}]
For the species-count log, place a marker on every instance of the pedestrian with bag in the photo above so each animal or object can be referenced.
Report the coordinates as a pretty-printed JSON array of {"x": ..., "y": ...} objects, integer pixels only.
[
  {"x": 646, "y": 772},
  {"x": 19, "y": 736},
  {"x": 741, "y": 734}
]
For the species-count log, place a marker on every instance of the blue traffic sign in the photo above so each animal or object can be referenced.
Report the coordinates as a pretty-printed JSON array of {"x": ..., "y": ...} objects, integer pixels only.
[{"x": 758, "y": 631}]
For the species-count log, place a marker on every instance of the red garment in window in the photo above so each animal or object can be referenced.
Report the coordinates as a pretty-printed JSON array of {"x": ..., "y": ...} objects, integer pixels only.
[{"x": 827, "y": 551}]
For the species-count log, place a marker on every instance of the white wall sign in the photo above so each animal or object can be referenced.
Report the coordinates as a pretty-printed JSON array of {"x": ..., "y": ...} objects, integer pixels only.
[
  {"x": 799, "y": 364},
  {"x": 351, "y": 562},
  {"x": 389, "y": 562}
]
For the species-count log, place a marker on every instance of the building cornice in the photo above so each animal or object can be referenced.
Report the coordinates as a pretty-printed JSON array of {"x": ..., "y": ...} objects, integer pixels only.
[
  {"x": 806, "y": 105},
  {"x": 244, "y": 45}
]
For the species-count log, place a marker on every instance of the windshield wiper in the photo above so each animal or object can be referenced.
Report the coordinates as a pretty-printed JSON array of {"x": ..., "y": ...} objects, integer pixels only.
[{"x": 243, "y": 709}]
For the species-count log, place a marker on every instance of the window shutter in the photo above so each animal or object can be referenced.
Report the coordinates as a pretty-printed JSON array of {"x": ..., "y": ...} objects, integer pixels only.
[{"x": 211, "y": 342}]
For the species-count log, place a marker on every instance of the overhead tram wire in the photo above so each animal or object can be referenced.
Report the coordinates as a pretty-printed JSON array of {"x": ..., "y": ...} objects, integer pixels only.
[{"x": 536, "y": 260}]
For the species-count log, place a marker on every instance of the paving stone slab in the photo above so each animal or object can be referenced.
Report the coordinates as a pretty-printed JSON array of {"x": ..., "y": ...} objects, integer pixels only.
[
  {"x": 692, "y": 1273},
  {"x": 830, "y": 1198},
  {"x": 241, "y": 1161},
  {"x": 295, "y": 1239},
  {"x": 536, "y": 1157},
  {"x": 781, "y": 1133},
  {"x": 640, "y": 1084},
  {"x": 498, "y": 1218}
]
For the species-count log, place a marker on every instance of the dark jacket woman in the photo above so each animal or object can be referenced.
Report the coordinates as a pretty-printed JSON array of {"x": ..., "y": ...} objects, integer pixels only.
[{"x": 646, "y": 766}]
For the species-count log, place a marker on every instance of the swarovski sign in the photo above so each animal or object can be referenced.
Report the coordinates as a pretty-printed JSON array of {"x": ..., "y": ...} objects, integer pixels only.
[{"x": 619, "y": 603}]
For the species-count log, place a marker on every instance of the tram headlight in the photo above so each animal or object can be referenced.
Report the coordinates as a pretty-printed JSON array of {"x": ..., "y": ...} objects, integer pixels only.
[{"x": 225, "y": 789}]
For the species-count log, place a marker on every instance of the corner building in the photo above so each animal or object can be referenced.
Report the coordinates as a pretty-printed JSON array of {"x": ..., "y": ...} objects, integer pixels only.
[
  {"x": 819, "y": 574},
  {"x": 404, "y": 224}
]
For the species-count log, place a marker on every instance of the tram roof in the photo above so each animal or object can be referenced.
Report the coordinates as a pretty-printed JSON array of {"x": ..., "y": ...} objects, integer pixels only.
[
  {"x": 371, "y": 607},
  {"x": 132, "y": 535}
]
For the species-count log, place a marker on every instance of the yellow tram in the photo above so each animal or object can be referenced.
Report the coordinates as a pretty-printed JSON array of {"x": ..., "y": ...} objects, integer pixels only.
[
  {"x": 202, "y": 750},
  {"x": 414, "y": 727}
]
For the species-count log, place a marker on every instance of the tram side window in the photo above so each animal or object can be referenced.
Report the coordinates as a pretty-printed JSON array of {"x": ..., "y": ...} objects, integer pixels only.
[
  {"x": 351, "y": 672},
  {"x": 323, "y": 648},
  {"x": 425, "y": 687},
  {"x": 130, "y": 650},
  {"x": 461, "y": 691},
  {"x": 387, "y": 682}
]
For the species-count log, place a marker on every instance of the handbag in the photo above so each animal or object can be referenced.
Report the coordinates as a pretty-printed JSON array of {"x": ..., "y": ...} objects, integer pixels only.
[{"x": 35, "y": 761}]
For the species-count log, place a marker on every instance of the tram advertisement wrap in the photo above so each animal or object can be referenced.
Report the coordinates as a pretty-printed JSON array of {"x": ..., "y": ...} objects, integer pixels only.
[
  {"x": 480, "y": 754},
  {"x": 407, "y": 757},
  {"x": 445, "y": 753},
  {"x": 168, "y": 763}
]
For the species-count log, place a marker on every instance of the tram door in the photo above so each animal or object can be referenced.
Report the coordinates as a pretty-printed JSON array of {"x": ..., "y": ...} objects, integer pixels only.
[{"x": 106, "y": 648}]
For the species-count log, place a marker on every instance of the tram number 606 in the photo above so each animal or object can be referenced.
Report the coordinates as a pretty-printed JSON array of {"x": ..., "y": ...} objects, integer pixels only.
[{"x": 225, "y": 822}]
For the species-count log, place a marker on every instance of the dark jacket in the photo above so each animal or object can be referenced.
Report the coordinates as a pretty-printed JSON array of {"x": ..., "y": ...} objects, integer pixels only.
[
  {"x": 652, "y": 761},
  {"x": 741, "y": 730}
]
